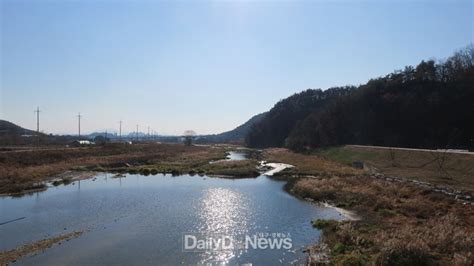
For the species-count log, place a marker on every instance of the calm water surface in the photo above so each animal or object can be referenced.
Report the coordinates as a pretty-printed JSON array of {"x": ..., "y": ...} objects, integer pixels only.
[
  {"x": 236, "y": 156},
  {"x": 140, "y": 220}
]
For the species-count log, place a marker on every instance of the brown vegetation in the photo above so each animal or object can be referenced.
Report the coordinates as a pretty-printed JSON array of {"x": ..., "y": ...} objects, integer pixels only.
[
  {"x": 436, "y": 167},
  {"x": 401, "y": 222},
  {"x": 306, "y": 164},
  {"x": 25, "y": 170},
  {"x": 243, "y": 168},
  {"x": 34, "y": 247}
]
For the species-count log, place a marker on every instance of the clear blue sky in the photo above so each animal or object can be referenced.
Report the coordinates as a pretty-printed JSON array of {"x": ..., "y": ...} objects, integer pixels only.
[{"x": 207, "y": 66}]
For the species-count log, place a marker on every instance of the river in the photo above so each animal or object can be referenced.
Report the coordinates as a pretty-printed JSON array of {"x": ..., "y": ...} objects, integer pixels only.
[{"x": 143, "y": 220}]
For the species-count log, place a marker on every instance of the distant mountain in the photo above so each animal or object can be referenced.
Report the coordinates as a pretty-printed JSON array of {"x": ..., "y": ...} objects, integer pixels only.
[
  {"x": 109, "y": 134},
  {"x": 9, "y": 128},
  {"x": 236, "y": 135},
  {"x": 425, "y": 106}
]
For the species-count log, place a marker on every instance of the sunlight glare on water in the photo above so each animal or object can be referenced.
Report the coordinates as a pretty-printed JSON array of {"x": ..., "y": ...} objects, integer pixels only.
[
  {"x": 141, "y": 220},
  {"x": 223, "y": 211}
]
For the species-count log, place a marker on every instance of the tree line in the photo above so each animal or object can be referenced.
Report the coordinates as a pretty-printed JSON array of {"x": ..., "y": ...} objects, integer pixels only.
[{"x": 427, "y": 106}]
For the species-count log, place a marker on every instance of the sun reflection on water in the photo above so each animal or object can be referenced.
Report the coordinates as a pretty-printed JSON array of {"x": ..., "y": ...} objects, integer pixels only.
[{"x": 223, "y": 211}]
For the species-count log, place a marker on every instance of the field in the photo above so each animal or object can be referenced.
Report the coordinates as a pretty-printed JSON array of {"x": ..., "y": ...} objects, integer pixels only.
[
  {"x": 23, "y": 171},
  {"x": 401, "y": 223},
  {"x": 309, "y": 164},
  {"x": 439, "y": 168}
]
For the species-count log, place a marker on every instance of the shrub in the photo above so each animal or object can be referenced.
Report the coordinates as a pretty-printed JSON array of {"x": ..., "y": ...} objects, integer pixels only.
[
  {"x": 175, "y": 172},
  {"x": 338, "y": 248},
  {"x": 145, "y": 171},
  {"x": 323, "y": 224}
]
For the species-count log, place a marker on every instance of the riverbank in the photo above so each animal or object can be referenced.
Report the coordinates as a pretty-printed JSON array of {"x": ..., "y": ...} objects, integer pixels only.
[
  {"x": 442, "y": 168},
  {"x": 32, "y": 248},
  {"x": 399, "y": 222},
  {"x": 29, "y": 170}
]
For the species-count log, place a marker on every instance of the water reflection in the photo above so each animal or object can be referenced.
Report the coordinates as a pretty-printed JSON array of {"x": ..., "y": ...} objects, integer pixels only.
[
  {"x": 141, "y": 220},
  {"x": 223, "y": 211},
  {"x": 236, "y": 156}
]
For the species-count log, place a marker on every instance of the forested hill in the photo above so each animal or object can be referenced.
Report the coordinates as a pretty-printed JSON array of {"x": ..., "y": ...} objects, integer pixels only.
[
  {"x": 427, "y": 106},
  {"x": 272, "y": 130}
]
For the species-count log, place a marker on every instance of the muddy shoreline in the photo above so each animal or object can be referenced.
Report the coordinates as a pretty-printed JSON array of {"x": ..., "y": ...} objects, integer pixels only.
[{"x": 33, "y": 248}]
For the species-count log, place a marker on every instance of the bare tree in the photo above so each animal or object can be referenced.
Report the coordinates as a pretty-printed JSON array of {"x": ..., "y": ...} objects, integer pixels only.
[
  {"x": 392, "y": 156},
  {"x": 442, "y": 156},
  {"x": 188, "y": 137}
]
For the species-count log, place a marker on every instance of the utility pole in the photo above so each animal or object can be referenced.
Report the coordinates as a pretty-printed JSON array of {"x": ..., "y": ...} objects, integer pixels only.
[
  {"x": 79, "y": 123},
  {"x": 148, "y": 136},
  {"x": 120, "y": 131},
  {"x": 37, "y": 111}
]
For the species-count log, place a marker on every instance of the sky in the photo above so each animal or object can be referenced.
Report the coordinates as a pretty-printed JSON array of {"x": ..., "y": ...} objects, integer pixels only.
[{"x": 203, "y": 65}]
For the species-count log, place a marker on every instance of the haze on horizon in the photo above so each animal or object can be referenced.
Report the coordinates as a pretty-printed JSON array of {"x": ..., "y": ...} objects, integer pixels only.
[{"x": 206, "y": 66}]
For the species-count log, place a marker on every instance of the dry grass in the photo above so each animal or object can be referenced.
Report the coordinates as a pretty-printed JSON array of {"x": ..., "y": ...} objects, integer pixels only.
[
  {"x": 308, "y": 164},
  {"x": 24, "y": 170},
  {"x": 402, "y": 223},
  {"x": 34, "y": 247},
  {"x": 244, "y": 168},
  {"x": 451, "y": 170}
]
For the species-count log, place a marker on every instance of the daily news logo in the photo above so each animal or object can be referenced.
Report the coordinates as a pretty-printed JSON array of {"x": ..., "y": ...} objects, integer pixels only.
[{"x": 216, "y": 242}]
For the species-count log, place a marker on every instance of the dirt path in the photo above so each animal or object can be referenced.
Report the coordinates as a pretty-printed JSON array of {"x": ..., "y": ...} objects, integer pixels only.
[{"x": 412, "y": 149}]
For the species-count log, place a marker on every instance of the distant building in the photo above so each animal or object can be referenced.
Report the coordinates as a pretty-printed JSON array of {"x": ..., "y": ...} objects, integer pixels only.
[{"x": 82, "y": 143}]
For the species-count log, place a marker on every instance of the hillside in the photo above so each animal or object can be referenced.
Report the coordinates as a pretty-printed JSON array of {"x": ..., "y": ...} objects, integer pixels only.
[
  {"x": 9, "y": 128},
  {"x": 283, "y": 117},
  {"x": 236, "y": 135},
  {"x": 12, "y": 134},
  {"x": 427, "y": 106}
]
